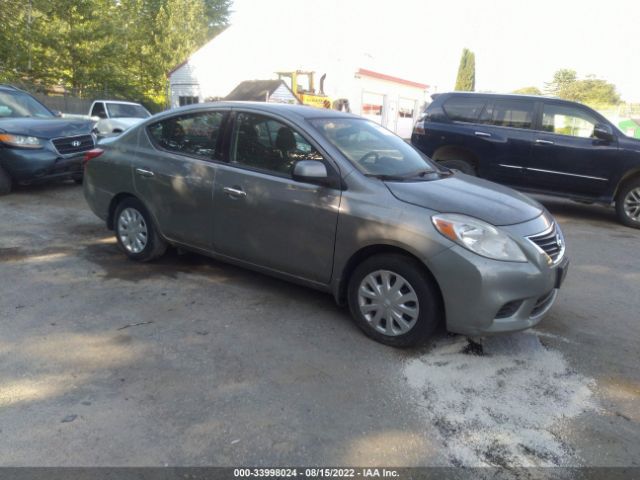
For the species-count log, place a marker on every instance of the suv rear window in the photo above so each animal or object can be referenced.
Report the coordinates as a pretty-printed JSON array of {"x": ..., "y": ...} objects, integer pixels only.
[{"x": 464, "y": 109}]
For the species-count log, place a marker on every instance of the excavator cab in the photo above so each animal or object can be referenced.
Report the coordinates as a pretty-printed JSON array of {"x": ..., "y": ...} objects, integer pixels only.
[{"x": 303, "y": 86}]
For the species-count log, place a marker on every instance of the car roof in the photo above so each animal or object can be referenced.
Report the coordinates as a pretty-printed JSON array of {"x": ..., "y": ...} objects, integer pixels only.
[
  {"x": 283, "y": 109},
  {"x": 508, "y": 95},
  {"x": 5, "y": 86},
  {"x": 117, "y": 101}
]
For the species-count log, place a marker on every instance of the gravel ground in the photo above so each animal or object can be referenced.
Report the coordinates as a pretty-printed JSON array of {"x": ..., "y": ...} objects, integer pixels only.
[{"x": 188, "y": 361}]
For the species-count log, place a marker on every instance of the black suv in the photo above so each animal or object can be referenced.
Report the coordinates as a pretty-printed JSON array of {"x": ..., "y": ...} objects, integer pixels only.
[
  {"x": 537, "y": 144},
  {"x": 35, "y": 144}
]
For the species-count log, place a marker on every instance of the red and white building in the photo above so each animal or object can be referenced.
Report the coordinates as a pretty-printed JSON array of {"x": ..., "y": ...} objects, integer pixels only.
[{"x": 219, "y": 66}]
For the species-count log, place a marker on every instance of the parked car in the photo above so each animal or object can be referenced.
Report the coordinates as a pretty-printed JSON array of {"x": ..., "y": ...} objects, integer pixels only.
[
  {"x": 335, "y": 202},
  {"x": 535, "y": 144},
  {"x": 115, "y": 116},
  {"x": 37, "y": 145}
]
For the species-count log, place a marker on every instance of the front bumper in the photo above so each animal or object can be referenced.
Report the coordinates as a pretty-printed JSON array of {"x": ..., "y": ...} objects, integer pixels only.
[
  {"x": 28, "y": 166},
  {"x": 483, "y": 296}
]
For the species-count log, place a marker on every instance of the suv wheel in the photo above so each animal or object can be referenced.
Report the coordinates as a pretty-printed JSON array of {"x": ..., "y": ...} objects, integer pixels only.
[
  {"x": 5, "y": 182},
  {"x": 394, "y": 301},
  {"x": 461, "y": 165},
  {"x": 135, "y": 232},
  {"x": 628, "y": 204}
]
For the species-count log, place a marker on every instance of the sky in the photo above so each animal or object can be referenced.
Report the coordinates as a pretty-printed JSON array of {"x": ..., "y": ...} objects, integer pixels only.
[{"x": 516, "y": 43}]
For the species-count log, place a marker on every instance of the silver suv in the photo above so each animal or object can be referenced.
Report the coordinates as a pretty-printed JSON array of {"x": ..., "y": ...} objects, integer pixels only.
[{"x": 335, "y": 202}]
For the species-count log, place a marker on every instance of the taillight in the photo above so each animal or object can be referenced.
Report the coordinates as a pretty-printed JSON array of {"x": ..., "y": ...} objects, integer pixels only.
[
  {"x": 419, "y": 129},
  {"x": 96, "y": 152}
]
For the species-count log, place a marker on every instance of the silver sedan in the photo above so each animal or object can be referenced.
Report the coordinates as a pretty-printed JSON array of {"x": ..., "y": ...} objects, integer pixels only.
[{"x": 335, "y": 202}]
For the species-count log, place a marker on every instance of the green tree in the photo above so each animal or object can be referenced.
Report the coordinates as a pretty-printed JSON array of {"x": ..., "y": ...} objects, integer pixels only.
[
  {"x": 466, "y": 80},
  {"x": 590, "y": 90},
  {"x": 563, "y": 80},
  {"x": 14, "y": 38},
  {"x": 217, "y": 15},
  {"x": 528, "y": 91},
  {"x": 119, "y": 48}
]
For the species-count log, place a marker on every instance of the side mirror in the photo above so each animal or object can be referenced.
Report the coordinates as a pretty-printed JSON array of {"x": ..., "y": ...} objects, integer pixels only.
[
  {"x": 57, "y": 113},
  {"x": 603, "y": 131},
  {"x": 312, "y": 171}
]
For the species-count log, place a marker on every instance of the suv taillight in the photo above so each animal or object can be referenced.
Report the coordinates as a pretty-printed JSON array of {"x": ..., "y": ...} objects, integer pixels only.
[
  {"x": 419, "y": 129},
  {"x": 96, "y": 152}
]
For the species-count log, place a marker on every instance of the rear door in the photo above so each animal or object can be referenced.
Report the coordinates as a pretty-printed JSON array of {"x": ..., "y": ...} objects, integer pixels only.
[
  {"x": 506, "y": 131},
  {"x": 566, "y": 157},
  {"x": 175, "y": 170},
  {"x": 260, "y": 214}
]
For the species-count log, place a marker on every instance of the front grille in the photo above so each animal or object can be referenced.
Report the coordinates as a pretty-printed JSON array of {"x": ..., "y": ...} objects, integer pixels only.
[
  {"x": 67, "y": 145},
  {"x": 542, "y": 303},
  {"x": 550, "y": 242}
]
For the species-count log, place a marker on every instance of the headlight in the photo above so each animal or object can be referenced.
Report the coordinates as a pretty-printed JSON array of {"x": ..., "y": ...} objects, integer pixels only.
[
  {"x": 479, "y": 237},
  {"x": 21, "y": 141}
]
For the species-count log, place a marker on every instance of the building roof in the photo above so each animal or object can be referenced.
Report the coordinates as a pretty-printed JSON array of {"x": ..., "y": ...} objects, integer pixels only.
[
  {"x": 256, "y": 90},
  {"x": 390, "y": 78}
]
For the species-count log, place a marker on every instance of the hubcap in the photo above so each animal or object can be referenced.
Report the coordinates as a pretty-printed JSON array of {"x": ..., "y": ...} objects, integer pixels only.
[
  {"x": 388, "y": 302},
  {"x": 132, "y": 230},
  {"x": 632, "y": 204}
]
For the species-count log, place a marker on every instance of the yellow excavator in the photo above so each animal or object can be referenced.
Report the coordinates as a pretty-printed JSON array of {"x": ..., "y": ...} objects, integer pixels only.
[{"x": 306, "y": 92}]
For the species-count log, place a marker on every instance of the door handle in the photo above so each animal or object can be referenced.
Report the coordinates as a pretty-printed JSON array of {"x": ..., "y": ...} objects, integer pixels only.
[
  {"x": 144, "y": 173},
  {"x": 482, "y": 134},
  {"x": 544, "y": 142},
  {"x": 234, "y": 192}
]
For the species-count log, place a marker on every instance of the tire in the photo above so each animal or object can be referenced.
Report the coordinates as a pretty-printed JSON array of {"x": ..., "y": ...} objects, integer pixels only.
[
  {"x": 78, "y": 179},
  {"x": 421, "y": 311},
  {"x": 5, "y": 182},
  {"x": 131, "y": 216},
  {"x": 628, "y": 204},
  {"x": 461, "y": 165}
]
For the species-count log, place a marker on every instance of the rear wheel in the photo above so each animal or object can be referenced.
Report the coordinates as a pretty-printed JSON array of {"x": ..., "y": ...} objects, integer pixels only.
[
  {"x": 394, "y": 301},
  {"x": 628, "y": 204},
  {"x": 135, "y": 232},
  {"x": 5, "y": 182},
  {"x": 462, "y": 165}
]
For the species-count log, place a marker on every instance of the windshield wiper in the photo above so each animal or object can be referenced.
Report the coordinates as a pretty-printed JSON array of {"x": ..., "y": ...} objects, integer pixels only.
[
  {"x": 386, "y": 178},
  {"x": 421, "y": 173}
]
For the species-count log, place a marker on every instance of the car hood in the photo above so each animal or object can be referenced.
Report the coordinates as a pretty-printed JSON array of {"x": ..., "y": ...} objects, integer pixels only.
[
  {"x": 46, "y": 128},
  {"x": 471, "y": 196}
]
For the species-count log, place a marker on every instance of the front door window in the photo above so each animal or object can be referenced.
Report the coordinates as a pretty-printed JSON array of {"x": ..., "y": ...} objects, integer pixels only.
[{"x": 564, "y": 120}]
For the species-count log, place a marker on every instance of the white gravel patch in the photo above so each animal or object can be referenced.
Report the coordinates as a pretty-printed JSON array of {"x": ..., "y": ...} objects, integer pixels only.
[{"x": 504, "y": 407}]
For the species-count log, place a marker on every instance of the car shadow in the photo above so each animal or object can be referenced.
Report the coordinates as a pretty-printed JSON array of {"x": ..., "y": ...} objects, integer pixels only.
[{"x": 592, "y": 213}]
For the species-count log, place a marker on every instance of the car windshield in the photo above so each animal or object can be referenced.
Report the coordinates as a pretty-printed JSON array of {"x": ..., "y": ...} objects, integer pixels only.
[
  {"x": 127, "y": 110},
  {"x": 373, "y": 149},
  {"x": 20, "y": 105}
]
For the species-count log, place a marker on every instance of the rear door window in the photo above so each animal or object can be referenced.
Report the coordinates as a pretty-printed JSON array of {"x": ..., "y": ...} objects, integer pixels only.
[
  {"x": 512, "y": 113},
  {"x": 464, "y": 109},
  {"x": 193, "y": 134}
]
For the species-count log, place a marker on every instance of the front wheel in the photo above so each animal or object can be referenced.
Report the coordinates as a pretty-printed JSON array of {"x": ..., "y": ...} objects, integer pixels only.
[
  {"x": 628, "y": 204},
  {"x": 394, "y": 301},
  {"x": 135, "y": 232}
]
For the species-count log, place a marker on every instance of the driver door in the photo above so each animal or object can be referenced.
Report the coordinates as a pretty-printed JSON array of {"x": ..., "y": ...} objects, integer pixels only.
[
  {"x": 566, "y": 156},
  {"x": 264, "y": 217}
]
